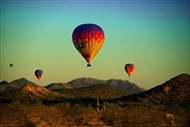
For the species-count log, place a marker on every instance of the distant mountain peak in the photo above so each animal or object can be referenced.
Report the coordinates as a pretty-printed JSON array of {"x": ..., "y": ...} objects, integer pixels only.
[
  {"x": 116, "y": 83},
  {"x": 59, "y": 86},
  {"x": 16, "y": 84},
  {"x": 21, "y": 79},
  {"x": 84, "y": 82},
  {"x": 37, "y": 90},
  {"x": 22, "y": 82}
]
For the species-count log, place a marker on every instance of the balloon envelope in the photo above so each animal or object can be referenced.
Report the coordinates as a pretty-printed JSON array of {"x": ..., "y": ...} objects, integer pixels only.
[
  {"x": 11, "y": 65},
  {"x": 39, "y": 74},
  {"x": 129, "y": 68},
  {"x": 88, "y": 40}
]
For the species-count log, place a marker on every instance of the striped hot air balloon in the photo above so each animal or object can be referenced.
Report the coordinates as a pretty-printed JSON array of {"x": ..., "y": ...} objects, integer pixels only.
[{"x": 88, "y": 40}]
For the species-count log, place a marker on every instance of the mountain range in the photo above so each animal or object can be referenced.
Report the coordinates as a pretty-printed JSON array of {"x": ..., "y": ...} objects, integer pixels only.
[
  {"x": 76, "y": 83},
  {"x": 172, "y": 94},
  {"x": 116, "y": 83},
  {"x": 23, "y": 89}
]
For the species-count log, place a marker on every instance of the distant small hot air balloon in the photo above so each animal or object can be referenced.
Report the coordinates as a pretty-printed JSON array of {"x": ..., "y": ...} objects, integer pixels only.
[
  {"x": 11, "y": 65},
  {"x": 129, "y": 68},
  {"x": 88, "y": 40},
  {"x": 39, "y": 74}
]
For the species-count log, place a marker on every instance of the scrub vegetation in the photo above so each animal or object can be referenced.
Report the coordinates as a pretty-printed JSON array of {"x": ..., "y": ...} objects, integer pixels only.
[{"x": 65, "y": 115}]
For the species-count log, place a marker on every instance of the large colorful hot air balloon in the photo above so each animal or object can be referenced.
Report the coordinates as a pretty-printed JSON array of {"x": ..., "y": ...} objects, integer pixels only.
[
  {"x": 129, "y": 68},
  {"x": 39, "y": 74},
  {"x": 88, "y": 40}
]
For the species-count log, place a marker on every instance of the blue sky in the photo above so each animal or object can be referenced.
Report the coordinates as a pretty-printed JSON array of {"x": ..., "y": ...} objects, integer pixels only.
[{"x": 153, "y": 35}]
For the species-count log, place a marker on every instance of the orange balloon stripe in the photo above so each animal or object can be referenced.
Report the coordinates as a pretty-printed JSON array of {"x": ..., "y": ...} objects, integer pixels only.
[
  {"x": 99, "y": 38},
  {"x": 39, "y": 77}
]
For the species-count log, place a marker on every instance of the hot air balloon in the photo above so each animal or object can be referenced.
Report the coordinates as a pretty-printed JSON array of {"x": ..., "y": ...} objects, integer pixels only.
[
  {"x": 39, "y": 74},
  {"x": 11, "y": 65},
  {"x": 129, "y": 68},
  {"x": 88, "y": 40}
]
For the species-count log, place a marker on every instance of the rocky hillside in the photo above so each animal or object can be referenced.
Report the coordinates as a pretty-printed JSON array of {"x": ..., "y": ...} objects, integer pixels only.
[
  {"x": 16, "y": 84},
  {"x": 170, "y": 95},
  {"x": 22, "y": 89}
]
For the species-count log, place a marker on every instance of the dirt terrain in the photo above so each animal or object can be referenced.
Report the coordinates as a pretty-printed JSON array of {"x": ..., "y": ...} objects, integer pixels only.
[{"x": 64, "y": 115}]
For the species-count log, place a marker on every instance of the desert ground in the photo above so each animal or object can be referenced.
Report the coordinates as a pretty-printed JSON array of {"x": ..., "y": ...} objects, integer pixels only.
[{"x": 64, "y": 115}]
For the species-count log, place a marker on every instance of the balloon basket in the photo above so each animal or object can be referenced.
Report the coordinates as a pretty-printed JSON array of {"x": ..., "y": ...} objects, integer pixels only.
[{"x": 88, "y": 65}]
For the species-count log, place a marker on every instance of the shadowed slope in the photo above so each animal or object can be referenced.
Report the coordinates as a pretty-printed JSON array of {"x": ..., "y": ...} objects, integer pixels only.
[{"x": 172, "y": 94}]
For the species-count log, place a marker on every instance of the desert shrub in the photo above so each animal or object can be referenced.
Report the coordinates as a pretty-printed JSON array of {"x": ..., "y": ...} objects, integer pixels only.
[
  {"x": 127, "y": 117},
  {"x": 77, "y": 114},
  {"x": 110, "y": 116},
  {"x": 182, "y": 118}
]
